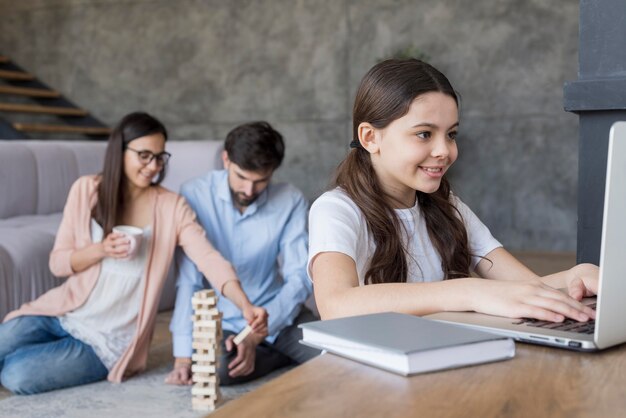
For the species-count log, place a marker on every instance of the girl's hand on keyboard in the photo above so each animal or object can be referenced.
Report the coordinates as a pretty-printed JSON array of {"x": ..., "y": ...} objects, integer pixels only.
[
  {"x": 525, "y": 299},
  {"x": 582, "y": 281}
]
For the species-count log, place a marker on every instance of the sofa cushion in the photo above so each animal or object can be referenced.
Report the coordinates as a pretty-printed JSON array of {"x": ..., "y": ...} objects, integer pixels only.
[
  {"x": 25, "y": 272},
  {"x": 191, "y": 159},
  {"x": 45, "y": 223},
  {"x": 89, "y": 156},
  {"x": 18, "y": 180},
  {"x": 37, "y": 175}
]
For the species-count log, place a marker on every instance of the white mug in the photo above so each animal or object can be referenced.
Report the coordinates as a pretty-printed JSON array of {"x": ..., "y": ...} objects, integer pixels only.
[{"x": 134, "y": 236}]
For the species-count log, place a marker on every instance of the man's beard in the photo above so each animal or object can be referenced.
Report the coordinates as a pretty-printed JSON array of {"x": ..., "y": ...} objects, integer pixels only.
[{"x": 241, "y": 199}]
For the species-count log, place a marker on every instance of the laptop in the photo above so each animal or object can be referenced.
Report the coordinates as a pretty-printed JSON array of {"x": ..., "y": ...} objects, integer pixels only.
[{"x": 609, "y": 327}]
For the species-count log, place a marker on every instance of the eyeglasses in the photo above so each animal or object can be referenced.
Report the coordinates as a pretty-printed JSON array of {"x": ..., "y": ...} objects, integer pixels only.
[{"x": 146, "y": 157}]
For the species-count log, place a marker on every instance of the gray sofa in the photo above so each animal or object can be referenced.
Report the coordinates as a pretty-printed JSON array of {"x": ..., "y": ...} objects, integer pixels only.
[{"x": 35, "y": 177}]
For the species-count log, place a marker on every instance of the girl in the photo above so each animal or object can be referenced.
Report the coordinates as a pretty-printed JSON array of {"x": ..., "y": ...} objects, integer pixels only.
[
  {"x": 390, "y": 235},
  {"x": 99, "y": 323}
]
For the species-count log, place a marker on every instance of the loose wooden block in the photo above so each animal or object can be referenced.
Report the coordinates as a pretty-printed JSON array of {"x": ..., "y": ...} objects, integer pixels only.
[{"x": 242, "y": 335}]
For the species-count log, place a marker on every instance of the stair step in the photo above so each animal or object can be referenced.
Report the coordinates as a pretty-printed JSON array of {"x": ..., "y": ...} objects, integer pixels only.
[
  {"x": 3, "y": 59},
  {"x": 36, "y": 127},
  {"x": 51, "y": 110},
  {"x": 29, "y": 91},
  {"x": 15, "y": 75}
]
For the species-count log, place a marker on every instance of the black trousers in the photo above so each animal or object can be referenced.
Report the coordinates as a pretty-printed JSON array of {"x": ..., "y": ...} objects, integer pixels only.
[{"x": 286, "y": 350}]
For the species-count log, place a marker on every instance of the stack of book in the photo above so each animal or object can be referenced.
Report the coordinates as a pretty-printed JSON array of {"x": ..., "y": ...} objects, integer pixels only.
[{"x": 406, "y": 344}]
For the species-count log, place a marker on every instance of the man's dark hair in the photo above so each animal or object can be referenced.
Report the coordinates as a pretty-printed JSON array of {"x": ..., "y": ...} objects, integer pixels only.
[{"x": 255, "y": 146}]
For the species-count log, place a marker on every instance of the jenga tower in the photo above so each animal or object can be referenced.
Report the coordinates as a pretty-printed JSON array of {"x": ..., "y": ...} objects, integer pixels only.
[{"x": 207, "y": 334}]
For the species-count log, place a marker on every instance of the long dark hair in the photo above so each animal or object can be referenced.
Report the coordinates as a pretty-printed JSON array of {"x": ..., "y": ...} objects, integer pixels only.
[
  {"x": 110, "y": 204},
  {"x": 384, "y": 95}
]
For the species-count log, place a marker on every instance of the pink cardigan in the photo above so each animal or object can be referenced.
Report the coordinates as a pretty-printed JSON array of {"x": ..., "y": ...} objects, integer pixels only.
[{"x": 174, "y": 223}]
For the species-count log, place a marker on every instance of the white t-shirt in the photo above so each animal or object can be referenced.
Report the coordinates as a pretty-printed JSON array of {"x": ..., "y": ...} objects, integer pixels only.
[
  {"x": 336, "y": 224},
  {"x": 107, "y": 321}
]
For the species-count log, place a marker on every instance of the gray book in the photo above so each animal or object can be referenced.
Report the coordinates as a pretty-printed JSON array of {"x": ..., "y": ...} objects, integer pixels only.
[{"x": 406, "y": 344}]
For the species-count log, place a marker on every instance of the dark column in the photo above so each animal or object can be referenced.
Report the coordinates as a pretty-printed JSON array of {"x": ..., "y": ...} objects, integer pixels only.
[{"x": 599, "y": 99}]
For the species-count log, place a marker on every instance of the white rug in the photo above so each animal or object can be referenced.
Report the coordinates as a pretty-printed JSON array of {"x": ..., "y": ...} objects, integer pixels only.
[{"x": 143, "y": 395}]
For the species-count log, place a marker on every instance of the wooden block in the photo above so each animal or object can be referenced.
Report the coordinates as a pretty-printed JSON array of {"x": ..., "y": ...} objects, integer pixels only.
[
  {"x": 204, "y": 345},
  {"x": 206, "y": 352},
  {"x": 204, "y": 378},
  {"x": 204, "y": 335},
  {"x": 204, "y": 391},
  {"x": 207, "y": 310},
  {"x": 203, "y": 303},
  {"x": 209, "y": 323},
  {"x": 212, "y": 313},
  {"x": 214, "y": 397},
  {"x": 210, "y": 351},
  {"x": 196, "y": 318},
  {"x": 215, "y": 331},
  {"x": 204, "y": 293},
  {"x": 206, "y": 363},
  {"x": 200, "y": 404},
  {"x": 242, "y": 335},
  {"x": 211, "y": 356},
  {"x": 203, "y": 369},
  {"x": 206, "y": 385}
]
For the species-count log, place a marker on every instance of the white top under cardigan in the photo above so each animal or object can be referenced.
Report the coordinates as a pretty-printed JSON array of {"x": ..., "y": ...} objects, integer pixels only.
[
  {"x": 108, "y": 319},
  {"x": 336, "y": 224}
]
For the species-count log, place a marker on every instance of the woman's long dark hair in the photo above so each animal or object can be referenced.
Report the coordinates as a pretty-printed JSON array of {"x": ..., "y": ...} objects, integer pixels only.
[
  {"x": 110, "y": 204},
  {"x": 384, "y": 95}
]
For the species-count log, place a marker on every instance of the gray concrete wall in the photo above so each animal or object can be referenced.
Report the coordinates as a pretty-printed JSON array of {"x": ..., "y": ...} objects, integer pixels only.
[{"x": 204, "y": 66}]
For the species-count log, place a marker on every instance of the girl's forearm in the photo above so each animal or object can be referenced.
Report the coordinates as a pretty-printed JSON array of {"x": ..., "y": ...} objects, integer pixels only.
[
  {"x": 232, "y": 290},
  {"x": 414, "y": 298}
]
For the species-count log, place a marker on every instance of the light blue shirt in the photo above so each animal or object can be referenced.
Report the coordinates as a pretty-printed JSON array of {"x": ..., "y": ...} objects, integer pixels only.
[{"x": 267, "y": 246}]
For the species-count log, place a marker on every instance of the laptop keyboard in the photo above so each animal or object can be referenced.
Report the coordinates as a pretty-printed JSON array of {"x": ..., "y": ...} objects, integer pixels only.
[{"x": 567, "y": 325}]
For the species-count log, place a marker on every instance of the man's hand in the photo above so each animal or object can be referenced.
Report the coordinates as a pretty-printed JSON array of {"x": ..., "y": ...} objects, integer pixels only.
[
  {"x": 181, "y": 373},
  {"x": 243, "y": 364},
  {"x": 257, "y": 319}
]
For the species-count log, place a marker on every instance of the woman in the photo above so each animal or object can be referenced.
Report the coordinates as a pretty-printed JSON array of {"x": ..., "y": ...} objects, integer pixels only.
[
  {"x": 99, "y": 323},
  {"x": 391, "y": 233}
]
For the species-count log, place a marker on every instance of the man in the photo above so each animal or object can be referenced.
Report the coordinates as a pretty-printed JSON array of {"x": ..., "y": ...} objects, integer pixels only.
[{"x": 260, "y": 227}]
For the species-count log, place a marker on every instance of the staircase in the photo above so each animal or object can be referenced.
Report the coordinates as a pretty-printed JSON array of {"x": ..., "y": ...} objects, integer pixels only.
[{"x": 31, "y": 109}]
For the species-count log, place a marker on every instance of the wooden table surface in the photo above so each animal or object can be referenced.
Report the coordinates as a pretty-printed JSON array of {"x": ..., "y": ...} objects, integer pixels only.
[{"x": 538, "y": 382}]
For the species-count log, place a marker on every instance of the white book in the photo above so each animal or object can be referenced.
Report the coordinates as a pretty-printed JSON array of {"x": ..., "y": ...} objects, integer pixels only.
[{"x": 406, "y": 344}]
